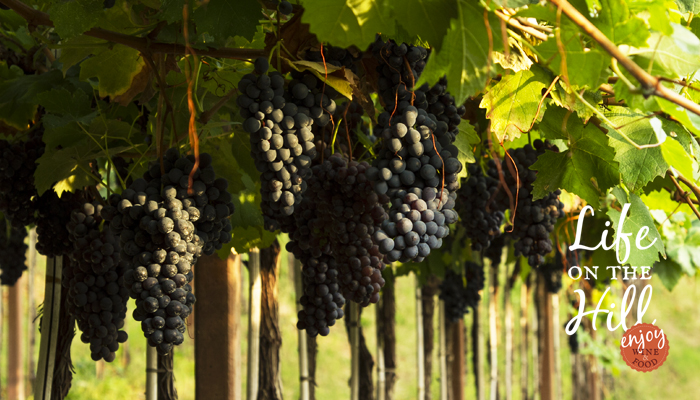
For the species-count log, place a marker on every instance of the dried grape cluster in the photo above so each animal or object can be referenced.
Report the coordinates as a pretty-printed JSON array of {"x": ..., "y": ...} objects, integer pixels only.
[
  {"x": 96, "y": 293},
  {"x": 534, "y": 219},
  {"x": 12, "y": 254},
  {"x": 17, "y": 166}
]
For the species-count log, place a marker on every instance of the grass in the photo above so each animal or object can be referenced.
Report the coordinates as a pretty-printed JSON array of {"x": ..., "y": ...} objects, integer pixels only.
[{"x": 125, "y": 377}]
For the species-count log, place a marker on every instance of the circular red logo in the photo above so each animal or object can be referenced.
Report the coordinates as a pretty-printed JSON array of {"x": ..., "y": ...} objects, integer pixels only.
[{"x": 644, "y": 347}]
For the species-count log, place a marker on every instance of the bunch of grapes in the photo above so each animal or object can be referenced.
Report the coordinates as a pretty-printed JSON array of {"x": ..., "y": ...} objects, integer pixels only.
[
  {"x": 534, "y": 220},
  {"x": 478, "y": 211},
  {"x": 281, "y": 142},
  {"x": 12, "y": 254},
  {"x": 335, "y": 56},
  {"x": 453, "y": 293},
  {"x": 17, "y": 166},
  {"x": 400, "y": 66},
  {"x": 474, "y": 273},
  {"x": 96, "y": 294},
  {"x": 312, "y": 97},
  {"x": 163, "y": 230},
  {"x": 53, "y": 213},
  {"x": 420, "y": 178},
  {"x": 552, "y": 272},
  {"x": 339, "y": 215}
]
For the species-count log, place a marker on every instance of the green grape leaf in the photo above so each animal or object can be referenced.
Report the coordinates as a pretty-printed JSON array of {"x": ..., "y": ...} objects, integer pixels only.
[
  {"x": 427, "y": 19},
  {"x": 348, "y": 22},
  {"x": 225, "y": 163},
  {"x": 172, "y": 10},
  {"x": 71, "y": 18},
  {"x": 587, "y": 168},
  {"x": 115, "y": 69},
  {"x": 464, "y": 56},
  {"x": 512, "y": 103},
  {"x": 463, "y": 141},
  {"x": 676, "y": 156},
  {"x": 661, "y": 200},
  {"x": 637, "y": 166},
  {"x": 584, "y": 67},
  {"x": 671, "y": 56},
  {"x": 61, "y": 101},
  {"x": 669, "y": 272},
  {"x": 687, "y": 118},
  {"x": 562, "y": 96},
  {"x": 247, "y": 222},
  {"x": 655, "y": 12},
  {"x": 637, "y": 218},
  {"x": 223, "y": 18},
  {"x": 688, "y": 6},
  {"x": 615, "y": 22}
]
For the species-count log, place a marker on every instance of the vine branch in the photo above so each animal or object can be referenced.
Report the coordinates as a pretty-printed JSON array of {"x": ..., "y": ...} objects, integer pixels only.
[
  {"x": 650, "y": 84},
  {"x": 685, "y": 195},
  {"x": 142, "y": 44}
]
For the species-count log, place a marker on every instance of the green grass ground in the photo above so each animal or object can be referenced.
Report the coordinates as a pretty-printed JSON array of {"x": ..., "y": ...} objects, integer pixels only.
[{"x": 125, "y": 379}]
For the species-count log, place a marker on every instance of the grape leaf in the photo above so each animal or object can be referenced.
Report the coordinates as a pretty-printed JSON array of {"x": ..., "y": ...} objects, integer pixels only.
[
  {"x": 669, "y": 272},
  {"x": 655, "y": 12},
  {"x": 463, "y": 141},
  {"x": 464, "y": 56},
  {"x": 677, "y": 157},
  {"x": 18, "y": 92},
  {"x": 637, "y": 218},
  {"x": 672, "y": 56},
  {"x": 247, "y": 222},
  {"x": 589, "y": 157},
  {"x": 115, "y": 69},
  {"x": 687, "y": 118},
  {"x": 688, "y": 6},
  {"x": 637, "y": 166},
  {"x": 348, "y": 22},
  {"x": 71, "y": 18},
  {"x": 225, "y": 163},
  {"x": 615, "y": 22},
  {"x": 513, "y": 102},
  {"x": 584, "y": 67},
  {"x": 427, "y": 19},
  {"x": 62, "y": 102},
  {"x": 223, "y": 18}
]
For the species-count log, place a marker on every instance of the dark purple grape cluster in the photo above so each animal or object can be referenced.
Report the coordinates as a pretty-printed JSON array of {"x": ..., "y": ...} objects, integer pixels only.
[
  {"x": 534, "y": 220},
  {"x": 495, "y": 251},
  {"x": 400, "y": 66},
  {"x": 308, "y": 92},
  {"x": 453, "y": 293},
  {"x": 53, "y": 213},
  {"x": 96, "y": 293},
  {"x": 552, "y": 272},
  {"x": 17, "y": 166},
  {"x": 12, "y": 254},
  {"x": 478, "y": 211},
  {"x": 163, "y": 230},
  {"x": 335, "y": 56},
  {"x": 474, "y": 274},
  {"x": 281, "y": 141},
  {"x": 338, "y": 217}
]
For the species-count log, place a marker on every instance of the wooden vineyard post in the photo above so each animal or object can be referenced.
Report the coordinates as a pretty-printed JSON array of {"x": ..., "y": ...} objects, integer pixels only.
[
  {"x": 545, "y": 333},
  {"x": 455, "y": 359},
  {"x": 524, "y": 364},
  {"x": 217, "y": 328},
  {"x": 31, "y": 312},
  {"x": 478, "y": 355},
  {"x": 443, "y": 350},
  {"x": 151, "y": 373},
  {"x": 419, "y": 342},
  {"x": 381, "y": 368},
  {"x": 386, "y": 330},
  {"x": 49, "y": 329},
  {"x": 535, "y": 345},
  {"x": 507, "y": 288},
  {"x": 353, "y": 333},
  {"x": 493, "y": 330},
  {"x": 15, "y": 366},
  {"x": 428, "y": 292},
  {"x": 253, "y": 374},
  {"x": 554, "y": 299},
  {"x": 270, "y": 380},
  {"x": 295, "y": 265}
]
